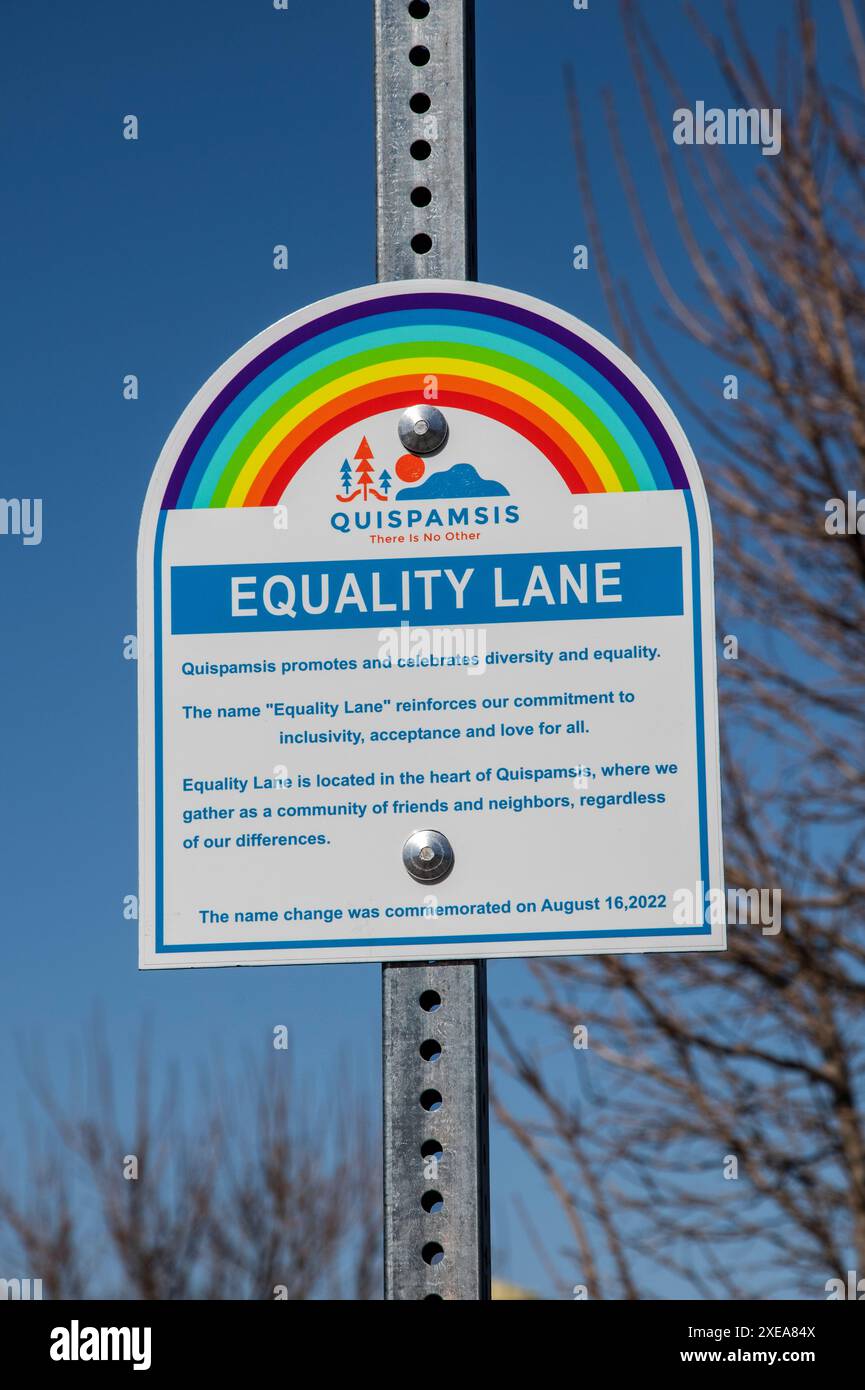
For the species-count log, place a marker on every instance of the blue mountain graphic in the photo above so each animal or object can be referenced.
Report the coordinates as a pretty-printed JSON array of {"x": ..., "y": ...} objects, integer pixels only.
[{"x": 460, "y": 481}]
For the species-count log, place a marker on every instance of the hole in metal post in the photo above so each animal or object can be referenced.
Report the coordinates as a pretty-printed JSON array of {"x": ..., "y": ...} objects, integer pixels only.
[
  {"x": 430, "y": 1049},
  {"x": 420, "y": 149},
  {"x": 421, "y": 196},
  {"x": 430, "y": 1000},
  {"x": 431, "y": 1148},
  {"x": 432, "y": 1201},
  {"x": 421, "y": 243},
  {"x": 419, "y": 55},
  {"x": 433, "y": 1253},
  {"x": 419, "y": 9},
  {"x": 419, "y": 103},
  {"x": 431, "y": 1100}
]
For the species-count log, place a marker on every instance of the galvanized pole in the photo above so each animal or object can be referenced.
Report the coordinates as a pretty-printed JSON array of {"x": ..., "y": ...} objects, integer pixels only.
[
  {"x": 434, "y": 1019},
  {"x": 425, "y": 139}
]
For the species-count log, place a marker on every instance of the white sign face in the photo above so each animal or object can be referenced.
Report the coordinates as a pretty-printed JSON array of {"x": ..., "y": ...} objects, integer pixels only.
[{"x": 510, "y": 642}]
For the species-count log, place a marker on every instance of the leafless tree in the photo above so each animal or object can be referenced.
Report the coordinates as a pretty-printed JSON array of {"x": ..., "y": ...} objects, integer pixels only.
[
  {"x": 247, "y": 1188},
  {"x": 755, "y": 1055}
]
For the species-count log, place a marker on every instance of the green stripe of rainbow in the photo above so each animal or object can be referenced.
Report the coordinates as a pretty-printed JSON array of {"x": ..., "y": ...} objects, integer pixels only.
[{"x": 487, "y": 355}]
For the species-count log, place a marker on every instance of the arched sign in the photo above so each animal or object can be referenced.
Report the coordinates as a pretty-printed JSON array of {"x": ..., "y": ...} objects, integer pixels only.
[{"x": 403, "y": 702}]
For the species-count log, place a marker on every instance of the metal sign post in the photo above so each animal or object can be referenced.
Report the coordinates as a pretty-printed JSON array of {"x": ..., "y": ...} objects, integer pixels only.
[{"x": 434, "y": 1024}]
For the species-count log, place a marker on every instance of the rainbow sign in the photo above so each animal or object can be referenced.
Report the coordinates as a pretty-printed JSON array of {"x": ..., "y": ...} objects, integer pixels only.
[
  {"x": 488, "y": 354},
  {"x": 337, "y": 632}
]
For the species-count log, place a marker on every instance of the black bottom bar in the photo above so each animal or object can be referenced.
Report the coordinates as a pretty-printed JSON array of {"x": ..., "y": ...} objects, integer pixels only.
[{"x": 257, "y": 1339}]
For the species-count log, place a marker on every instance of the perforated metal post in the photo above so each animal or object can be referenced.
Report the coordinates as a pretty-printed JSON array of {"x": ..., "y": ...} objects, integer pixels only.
[
  {"x": 434, "y": 1018},
  {"x": 425, "y": 139}
]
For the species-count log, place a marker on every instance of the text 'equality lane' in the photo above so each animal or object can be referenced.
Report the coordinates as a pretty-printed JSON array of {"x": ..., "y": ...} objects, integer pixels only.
[{"x": 640, "y": 582}]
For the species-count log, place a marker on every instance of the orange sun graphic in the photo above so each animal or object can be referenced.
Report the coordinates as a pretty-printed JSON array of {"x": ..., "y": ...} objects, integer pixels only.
[{"x": 409, "y": 468}]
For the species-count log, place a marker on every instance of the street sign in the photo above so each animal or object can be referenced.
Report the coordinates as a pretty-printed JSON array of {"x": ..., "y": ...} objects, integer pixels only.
[{"x": 426, "y": 646}]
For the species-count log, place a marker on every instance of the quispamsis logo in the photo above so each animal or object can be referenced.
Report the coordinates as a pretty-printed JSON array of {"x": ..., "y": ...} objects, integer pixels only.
[{"x": 451, "y": 491}]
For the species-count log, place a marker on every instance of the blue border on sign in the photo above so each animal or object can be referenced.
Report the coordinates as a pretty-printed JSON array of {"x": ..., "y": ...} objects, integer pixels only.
[{"x": 161, "y": 948}]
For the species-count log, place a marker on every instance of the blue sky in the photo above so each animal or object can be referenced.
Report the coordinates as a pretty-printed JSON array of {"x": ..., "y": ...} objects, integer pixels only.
[{"x": 155, "y": 258}]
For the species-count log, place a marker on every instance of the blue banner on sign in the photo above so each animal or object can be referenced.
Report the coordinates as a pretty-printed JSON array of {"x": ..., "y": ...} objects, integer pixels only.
[{"x": 464, "y": 592}]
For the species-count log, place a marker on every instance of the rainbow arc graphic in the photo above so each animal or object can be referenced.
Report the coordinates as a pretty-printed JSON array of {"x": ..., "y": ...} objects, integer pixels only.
[{"x": 487, "y": 355}]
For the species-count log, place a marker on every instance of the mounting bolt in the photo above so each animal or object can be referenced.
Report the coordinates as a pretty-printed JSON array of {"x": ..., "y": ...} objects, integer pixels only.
[
  {"x": 423, "y": 429},
  {"x": 427, "y": 856}
]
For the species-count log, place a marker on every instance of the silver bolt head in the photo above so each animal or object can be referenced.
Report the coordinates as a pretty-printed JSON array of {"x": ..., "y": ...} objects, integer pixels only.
[
  {"x": 422, "y": 429},
  {"x": 428, "y": 856}
]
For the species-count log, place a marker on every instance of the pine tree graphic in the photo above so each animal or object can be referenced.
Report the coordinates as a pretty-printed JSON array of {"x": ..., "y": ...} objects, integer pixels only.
[
  {"x": 364, "y": 469},
  {"x": 345, "y": 477},
  {"x": 365, "y": 477}
]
